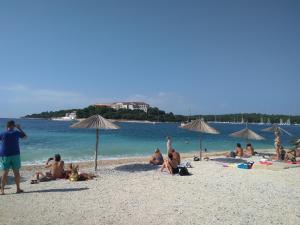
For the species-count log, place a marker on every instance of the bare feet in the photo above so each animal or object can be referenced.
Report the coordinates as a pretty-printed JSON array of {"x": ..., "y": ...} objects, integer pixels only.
[{"x": 1, "y": 192}]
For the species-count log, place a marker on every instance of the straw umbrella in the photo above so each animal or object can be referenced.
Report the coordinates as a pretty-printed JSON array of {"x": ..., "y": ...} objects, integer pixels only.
[
  {"x": 296, "y": 144},
  {"x": 277, "y": 129},
  {"x": 96, "y": 122},
  {"x": 200, "y": 126},
  {"x": 247, "y": 134}
]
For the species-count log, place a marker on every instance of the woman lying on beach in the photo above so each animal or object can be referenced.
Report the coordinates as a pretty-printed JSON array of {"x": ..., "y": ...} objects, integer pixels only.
[
  {"x": 157, "y": 158},
  {"x": 170, "y": 164},
  {"x": 57, "y": 171}
]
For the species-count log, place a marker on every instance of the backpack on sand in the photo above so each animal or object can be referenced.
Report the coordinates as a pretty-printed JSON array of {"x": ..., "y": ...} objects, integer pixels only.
[{"x": 184, "y": 171}]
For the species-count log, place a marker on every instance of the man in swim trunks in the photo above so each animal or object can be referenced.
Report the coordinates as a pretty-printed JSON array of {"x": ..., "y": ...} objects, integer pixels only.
[{"x": 10, "y": 153}]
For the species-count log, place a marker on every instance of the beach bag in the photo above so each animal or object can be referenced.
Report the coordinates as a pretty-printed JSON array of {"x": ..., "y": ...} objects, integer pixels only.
[
  {"x": 184, "y": 171},
  {"x": 232, "y": 154},
  {"x": 282, "y": 154},
  {"x": 196, "y": 158}
]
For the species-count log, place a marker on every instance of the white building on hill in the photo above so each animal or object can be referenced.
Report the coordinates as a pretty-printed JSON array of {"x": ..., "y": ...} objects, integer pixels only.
[{"x": 127, "y": 105}]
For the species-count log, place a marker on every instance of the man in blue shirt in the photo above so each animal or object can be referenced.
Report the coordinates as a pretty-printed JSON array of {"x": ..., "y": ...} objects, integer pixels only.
[{"x": 10, "y": 153}]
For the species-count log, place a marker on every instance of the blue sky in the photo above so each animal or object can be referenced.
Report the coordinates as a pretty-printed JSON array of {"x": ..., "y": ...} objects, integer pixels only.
[{"x": 211, "y": 56}]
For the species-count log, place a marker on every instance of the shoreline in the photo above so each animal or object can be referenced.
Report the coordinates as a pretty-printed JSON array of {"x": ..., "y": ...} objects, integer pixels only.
[{"x": 133, "y": 159}]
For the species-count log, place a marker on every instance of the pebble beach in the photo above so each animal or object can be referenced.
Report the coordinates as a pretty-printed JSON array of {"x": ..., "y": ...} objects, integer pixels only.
[{"x": 130, "y": 191}]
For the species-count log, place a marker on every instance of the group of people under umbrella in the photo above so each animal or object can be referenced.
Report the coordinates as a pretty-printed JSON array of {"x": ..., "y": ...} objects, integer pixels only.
[{"x": 97, "y": 122}]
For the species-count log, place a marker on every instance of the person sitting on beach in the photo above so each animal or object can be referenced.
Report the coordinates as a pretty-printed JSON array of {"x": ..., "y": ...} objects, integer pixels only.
[
  {"x": 170, "y": 164},
  {"x": 239, "y": 152},
  {"x": 56, "y": 170},
  {"x": 157, "y": 158},
  {"x": 292, "y": 155},
  {"x": 249, "y": 150},
  {"x": 176, "y": 156}
]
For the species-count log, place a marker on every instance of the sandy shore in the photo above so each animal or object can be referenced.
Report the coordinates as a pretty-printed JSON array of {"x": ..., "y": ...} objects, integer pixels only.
[{"x": 129, "y": 191}]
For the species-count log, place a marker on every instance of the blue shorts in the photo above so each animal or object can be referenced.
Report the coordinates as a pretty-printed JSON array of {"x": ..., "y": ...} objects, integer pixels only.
[{"x": 13, "y": 162}]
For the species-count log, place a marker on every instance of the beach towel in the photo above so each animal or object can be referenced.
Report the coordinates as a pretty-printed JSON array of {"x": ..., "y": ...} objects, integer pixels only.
[
  {"x": 267, "y": 163},
  {"x": 245, "y": 165},
  {"x": 185, "y": 164},
  {"x": 294, "y": 163}
]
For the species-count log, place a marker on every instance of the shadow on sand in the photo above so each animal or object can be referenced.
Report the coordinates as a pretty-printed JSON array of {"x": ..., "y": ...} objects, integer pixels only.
[
  {"x": 137, "y": 167},
  {"x": 57, "y": 190},
  {"x": 11, "y": 180},
  {"x": 229, "y": 160}
]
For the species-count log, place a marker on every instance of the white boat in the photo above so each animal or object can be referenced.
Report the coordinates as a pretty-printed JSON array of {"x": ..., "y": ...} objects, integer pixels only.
[
  {"x": 183, "y": 123},
  {"x": 281, "y": 122},
  {"x": 68, "y": 117},
  {"x": 261, "y": 121}
]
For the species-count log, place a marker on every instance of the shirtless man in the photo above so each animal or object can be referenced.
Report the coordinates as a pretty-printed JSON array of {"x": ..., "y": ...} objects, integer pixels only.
[
  {"x": 170, "y": 164},
  {"x": 56, "y": 170},
  {"x": 239, "y": 150},
  {"x": 176, "y": 156}
]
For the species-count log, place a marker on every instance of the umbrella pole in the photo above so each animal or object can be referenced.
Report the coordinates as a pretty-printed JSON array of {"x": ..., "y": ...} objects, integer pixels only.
[
  {"x": 200, "y": 147},
  {"x": 96, "y": 150}
]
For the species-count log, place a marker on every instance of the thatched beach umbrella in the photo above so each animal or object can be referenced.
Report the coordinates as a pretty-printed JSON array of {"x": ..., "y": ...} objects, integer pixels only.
[
  {"x": 201, "y": 126},
  {"x": 96, "y": 122},
  {"x": 295, "y": 143},
  {"x": 247, "y": 134},
  {"x": 277, "y": 129}
]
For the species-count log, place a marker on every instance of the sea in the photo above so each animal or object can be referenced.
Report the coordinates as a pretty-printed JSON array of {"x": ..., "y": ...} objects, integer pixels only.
[{"x": 47, "y": 137}]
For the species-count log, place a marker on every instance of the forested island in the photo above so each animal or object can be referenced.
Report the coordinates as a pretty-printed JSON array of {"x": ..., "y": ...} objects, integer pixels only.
[{"x": 156, "y": 115}]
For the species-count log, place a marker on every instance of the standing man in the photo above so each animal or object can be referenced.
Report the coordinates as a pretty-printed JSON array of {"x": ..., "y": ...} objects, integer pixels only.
[
  {"x": 169, "y": 145},
  {"x": 10, "y": 153}
]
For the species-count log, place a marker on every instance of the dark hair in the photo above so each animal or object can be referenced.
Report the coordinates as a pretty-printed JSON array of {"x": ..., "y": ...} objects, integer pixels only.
[
  {"x": 238, "y": 145},
  {"x": 57, "y": 157},
  {"x": 10, "y": 123},
  {"x": 170, "y": 155},
  {"x": 249, "y": 145}
]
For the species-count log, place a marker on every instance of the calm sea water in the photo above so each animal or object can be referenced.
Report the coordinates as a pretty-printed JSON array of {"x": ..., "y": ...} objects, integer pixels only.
[{"x": 46, "y": 138}]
